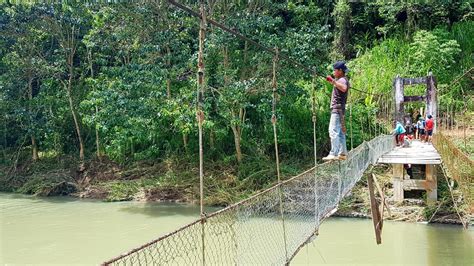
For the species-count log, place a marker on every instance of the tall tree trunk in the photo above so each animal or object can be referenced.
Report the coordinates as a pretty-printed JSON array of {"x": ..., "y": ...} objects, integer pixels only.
[
  {"x": 76, "y": 123},
  {"x": 71, "y": 106},
  {"x": 238, "y": 151},
  {"x": 97, "y": 137},
  {"x": 245, "y": 68},
  {"x": 446, "y": 120},
  {"x": 168, "y": 88},
  {"x": 35, "y": 148},
  {"x": 456, "y": 119},
  {"x": 185, "y": 142},
  {"x": 342, "y": 20},
  {"x": 4, "y": 137},
  {"x": 168, "y": 80},
  {"x": 453, "y": 124},
  {"x": 212, "y": 139},
  {"x": 34, "y": 145},
  {"x": 235, "y": 128},
  {"x": 69, "y": 45}
]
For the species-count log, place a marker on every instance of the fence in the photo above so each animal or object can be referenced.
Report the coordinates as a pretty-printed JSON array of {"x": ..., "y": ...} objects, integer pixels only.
[
  {"x": 459, "y": 166},
  {"x": 267, "y": 228}
]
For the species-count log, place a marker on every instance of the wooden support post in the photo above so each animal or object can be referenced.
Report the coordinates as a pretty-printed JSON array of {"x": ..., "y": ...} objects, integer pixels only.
[
  {"x": 432, "y": 184},
  {"x": 397, "y": 181},
  {"x": 382, "y": 196},
  {"x": 376, "y": 217},
  {"x": 399, "y": 98},
  {"x": 200, "y": 100},
  {"x": 200, "y": 118},
  {"x": 431, "y": 99}
]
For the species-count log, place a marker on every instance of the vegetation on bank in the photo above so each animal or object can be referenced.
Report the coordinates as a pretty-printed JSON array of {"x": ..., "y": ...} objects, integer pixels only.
[
  {"x": 174, "y": 179},
  {"x": 413, "y": 208},
  {"x": 466, "y": 144},
  {"x": 98, "y": 100}
]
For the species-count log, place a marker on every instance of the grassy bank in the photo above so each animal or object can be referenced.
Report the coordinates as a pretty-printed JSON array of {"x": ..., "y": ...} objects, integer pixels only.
[
  {"x": 173, "y": 179},
  {"x": 176, "y": 179},
  {"x": 463, "y": 140}
]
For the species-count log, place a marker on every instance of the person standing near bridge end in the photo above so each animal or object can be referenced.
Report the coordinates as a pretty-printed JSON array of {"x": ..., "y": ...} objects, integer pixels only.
[
  {"x": 337, "y": 128},
  {"x": 429, "y": 128}
]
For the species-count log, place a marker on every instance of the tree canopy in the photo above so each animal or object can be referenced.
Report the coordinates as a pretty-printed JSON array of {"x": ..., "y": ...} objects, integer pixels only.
[{"x": 117, "y": 80}]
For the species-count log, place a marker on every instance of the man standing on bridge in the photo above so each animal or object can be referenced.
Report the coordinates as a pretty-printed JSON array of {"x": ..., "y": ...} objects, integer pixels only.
[{"x": 337, "y": 128}]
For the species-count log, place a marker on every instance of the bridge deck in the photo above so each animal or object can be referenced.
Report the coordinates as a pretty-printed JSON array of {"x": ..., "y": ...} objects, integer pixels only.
[{"x": 417, "y": 153}]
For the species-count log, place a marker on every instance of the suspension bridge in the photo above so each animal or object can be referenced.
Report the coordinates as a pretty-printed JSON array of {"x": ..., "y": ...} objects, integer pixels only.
[
  {"x": 268, "y": 228},
  {"x": 271, "y": 226}
]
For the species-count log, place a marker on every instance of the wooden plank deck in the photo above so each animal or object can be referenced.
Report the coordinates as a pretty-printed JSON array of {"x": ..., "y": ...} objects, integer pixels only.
[{"x": 417, "y": 153}]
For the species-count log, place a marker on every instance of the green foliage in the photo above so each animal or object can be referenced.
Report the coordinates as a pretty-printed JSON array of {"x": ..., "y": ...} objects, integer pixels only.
[
  {"x": 342, "y": 17},
  {"x": 432, "y": 51},
  {"x": 127, "y": 70},
  {"x": 462, "y": 32},
  {"x": 120, "y": 191},
  {"x": 467, "y": 145},
  {"x": 407, "y": 17},
  {"x": 375, "y": 70}
]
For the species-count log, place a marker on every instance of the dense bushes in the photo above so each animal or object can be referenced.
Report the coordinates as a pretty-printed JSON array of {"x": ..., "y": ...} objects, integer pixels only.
[{"x": 118, "y": 80}]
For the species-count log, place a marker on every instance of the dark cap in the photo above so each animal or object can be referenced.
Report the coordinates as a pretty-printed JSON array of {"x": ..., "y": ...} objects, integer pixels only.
[{"x": 341, "y": 65}]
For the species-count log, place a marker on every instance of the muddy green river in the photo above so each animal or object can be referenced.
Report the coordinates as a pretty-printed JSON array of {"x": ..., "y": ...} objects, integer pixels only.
[{"x": 68, "y": 231}]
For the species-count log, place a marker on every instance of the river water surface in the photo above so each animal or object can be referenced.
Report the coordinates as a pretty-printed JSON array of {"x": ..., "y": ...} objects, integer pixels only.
[{"x": 69, "y": 231}]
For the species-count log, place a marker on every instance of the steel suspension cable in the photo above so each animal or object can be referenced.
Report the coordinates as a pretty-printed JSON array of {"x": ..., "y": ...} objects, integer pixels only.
[
  {"x": 313, "y": 110},
  {"x": 315, "y": 149},
  {"x": 200, "y": 118},
  {"x": 239, "y": 35},
  {"x": 275, "y": 138},
  {"x": 350, "y": 118}
]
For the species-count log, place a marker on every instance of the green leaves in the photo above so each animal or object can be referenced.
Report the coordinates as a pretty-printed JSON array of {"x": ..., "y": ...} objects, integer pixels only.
[
  {"x": 432, "y": 51},
  {"x": 375, "y": 70},
  {"x": 134, "y": 71}
]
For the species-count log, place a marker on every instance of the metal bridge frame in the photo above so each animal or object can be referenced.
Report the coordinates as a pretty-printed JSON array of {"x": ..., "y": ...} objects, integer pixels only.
[{"x": 430, "y": 97}]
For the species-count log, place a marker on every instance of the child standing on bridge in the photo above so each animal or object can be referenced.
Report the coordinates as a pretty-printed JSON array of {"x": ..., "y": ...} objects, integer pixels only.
[
  {"x": 421, "y": 128},
  {"x": 337, "y": 128},
  {"x": 429, "y": 128}
]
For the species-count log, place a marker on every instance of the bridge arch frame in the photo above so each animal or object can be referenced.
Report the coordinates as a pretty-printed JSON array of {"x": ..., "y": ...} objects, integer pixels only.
[{"x": 430, "y": 98}]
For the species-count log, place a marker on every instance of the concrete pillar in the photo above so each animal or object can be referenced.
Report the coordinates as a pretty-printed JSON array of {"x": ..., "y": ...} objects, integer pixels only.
[
  {"x": 397, "y": 181},
  {"x": 431, "y": 185}
]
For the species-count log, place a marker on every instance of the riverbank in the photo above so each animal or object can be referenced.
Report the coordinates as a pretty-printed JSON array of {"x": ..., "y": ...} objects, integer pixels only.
[
  {"x": 171, "y": 180},
  {"x": 176, "y": 180},
  {"x": 412, "y": 209},
  {"x": 66, "y": 231}
]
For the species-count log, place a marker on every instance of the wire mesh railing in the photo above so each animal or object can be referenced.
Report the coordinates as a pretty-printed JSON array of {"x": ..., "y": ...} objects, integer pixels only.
[
  {"x": 255, "y": 230},
  {"x": 459, "y": 166}
]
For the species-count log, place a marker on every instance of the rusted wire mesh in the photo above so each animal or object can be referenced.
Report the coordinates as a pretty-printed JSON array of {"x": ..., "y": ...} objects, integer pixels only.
[
  {"x": 458, "y": 165},
  {"x": 254, "y": 231}
]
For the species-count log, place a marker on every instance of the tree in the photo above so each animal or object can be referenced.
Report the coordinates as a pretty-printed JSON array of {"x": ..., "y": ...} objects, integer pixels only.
[
  {"x": 25, "y": 63},
  {"x": 433, "y": 51},
  {"x": 342, "y": 20},
  {"x": 66, "y": 24}
]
